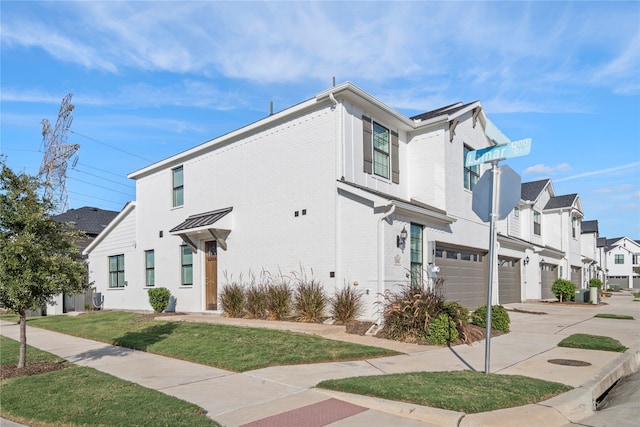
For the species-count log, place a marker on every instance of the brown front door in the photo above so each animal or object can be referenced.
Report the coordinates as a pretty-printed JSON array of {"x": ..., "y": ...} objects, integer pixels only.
[{"x": 211, "y": 275}]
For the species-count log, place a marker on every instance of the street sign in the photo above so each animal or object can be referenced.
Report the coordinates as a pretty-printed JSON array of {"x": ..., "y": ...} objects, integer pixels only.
[
  {"x": 511, "y": 149},
  {"x": 508, "y": 193}
]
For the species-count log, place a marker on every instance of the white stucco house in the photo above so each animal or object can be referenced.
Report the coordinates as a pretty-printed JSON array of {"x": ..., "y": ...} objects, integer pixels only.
[
  {"x": 333, "y": 184},
  {"x": 623, "y": 262}
]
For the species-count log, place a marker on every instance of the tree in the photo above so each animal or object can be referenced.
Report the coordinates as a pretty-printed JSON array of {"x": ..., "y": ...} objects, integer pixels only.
[{"x": 38, "y": 256}]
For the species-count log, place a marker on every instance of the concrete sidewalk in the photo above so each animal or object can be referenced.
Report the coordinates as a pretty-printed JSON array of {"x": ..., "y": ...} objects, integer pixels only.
[{"x": 285, "y": 395}]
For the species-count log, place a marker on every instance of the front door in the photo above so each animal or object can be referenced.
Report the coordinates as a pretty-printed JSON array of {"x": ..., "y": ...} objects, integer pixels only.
[{"x": 211, "y": 272}]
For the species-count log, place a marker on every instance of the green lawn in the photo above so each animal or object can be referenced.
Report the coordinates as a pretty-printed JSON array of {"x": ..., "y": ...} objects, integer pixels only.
[
  {"x": 79, "y": 396},
  {"x": 614, "y": 316},
  {"x": 463, "y": 391},
  {"x": 592, "y": 342},
  {"x": 226, "y": 347}
]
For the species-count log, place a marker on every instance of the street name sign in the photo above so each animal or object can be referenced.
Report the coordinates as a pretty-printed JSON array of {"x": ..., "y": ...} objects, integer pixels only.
[{"x": 511, "y": 149}]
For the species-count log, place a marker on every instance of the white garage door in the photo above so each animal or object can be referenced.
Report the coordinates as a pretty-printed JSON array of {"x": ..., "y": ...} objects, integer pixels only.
[{"x": 549, "y": 275}]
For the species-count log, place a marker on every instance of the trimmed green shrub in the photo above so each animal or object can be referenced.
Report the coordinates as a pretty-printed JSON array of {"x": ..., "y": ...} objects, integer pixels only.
[
  {"x": 459, "y": 314},
  {"x": 310, "y": 301},
  {"x": 232, "y": 300},
  {"x": 595, "y": 283},
  {"x": 442, "y": 330},
  {"x": 346, "y": 304},
  {"x": 159, "y": 299},
  {"x": 564, "y": 290},
  {"x": 500, "y": 320}
]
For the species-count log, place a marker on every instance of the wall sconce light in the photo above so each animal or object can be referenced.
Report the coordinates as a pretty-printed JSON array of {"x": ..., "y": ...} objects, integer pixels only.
[
  {"x": 402, "y": 238},
  {"x": 526, "y": 260},
  {"x": 541, "y": 262}
]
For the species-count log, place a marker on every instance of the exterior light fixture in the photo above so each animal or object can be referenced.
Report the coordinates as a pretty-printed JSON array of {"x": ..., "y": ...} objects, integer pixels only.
[
  {"x": 402, "y": 238},
  {"x": 541, "y": 262},
  {"x": 526, "y": 260}
]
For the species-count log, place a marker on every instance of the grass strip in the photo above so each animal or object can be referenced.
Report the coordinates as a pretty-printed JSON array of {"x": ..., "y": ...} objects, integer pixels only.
[
  {"x": 462, "y": 391},
  {"x": 592, "y": 342},
  {"x": 614, "y": 316},
  {"x": 227, "y": 347},
  {"x": 83, "y": 396}
]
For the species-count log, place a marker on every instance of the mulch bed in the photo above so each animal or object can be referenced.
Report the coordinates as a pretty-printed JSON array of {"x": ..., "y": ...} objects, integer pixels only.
[{"x": 35, "y": 368}]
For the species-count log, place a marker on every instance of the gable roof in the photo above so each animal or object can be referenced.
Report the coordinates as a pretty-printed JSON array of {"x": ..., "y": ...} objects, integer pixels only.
[
  {"x": 531, "y": 190},
  {"x": 601, "y": 242},
  {"x": 449, "y": 109},
  {"x": 590, "y": 226},
  {"x": 88, "y": 219},
  {"x": 558, "y": 202}
]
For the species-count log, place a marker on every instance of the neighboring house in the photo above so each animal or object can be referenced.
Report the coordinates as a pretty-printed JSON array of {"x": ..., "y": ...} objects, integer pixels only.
[
  {"x": 591, "y": 262},
  {"x": 547, "y": 230},
  {"x": 91, "y": 221},
  {"x": 623, "y": 263},
  {"x": 330, "y": 184}
]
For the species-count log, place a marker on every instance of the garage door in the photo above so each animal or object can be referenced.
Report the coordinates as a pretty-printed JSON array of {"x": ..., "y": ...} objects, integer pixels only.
[
  {"x": 636, "y": 282},
  {"x": 621, "y": 281},
  {"x": 576, "y": 276},
  {"x": 549, "y": 275},
  {"x": 465, "y": 276},
  {"x": 509, "y": 288}
]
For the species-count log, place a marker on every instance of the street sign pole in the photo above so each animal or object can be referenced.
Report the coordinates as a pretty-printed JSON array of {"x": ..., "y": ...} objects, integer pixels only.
[{"x": 495, "y": 191}]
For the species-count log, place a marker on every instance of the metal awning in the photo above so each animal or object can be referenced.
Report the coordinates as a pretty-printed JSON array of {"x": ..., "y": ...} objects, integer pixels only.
[{"x": 197, "y": 223}]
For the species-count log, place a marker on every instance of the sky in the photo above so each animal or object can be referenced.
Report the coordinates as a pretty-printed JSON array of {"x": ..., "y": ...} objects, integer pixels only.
[{"x": 150, "y": 79}]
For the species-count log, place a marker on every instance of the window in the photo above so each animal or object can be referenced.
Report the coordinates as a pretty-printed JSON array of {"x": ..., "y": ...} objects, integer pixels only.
[
  {"x": 471, "y": 173},
  {"x": 380, "y": 150},
  {"x": 516, "y": 212},
  {"x": 537, "y": 223},
  {"x": 574, "y": 226},
  {"x": 150, "y": 270},
  {"x": 116, "y": 271},
  {"x": 619, "y": 258},
  {"x": 186, "y": 261},
  {"x": 416, "y": 255},
  {"x": 178, "y": 187}
]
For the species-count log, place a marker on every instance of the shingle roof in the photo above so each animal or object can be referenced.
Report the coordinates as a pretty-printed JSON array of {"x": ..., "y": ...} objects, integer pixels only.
[
  {"x": 610, "y": 242},
  {"x": 88, "y": 219},
  {"x": 565, "y": 201},
  {"x": 531, "y": 190},
  {"x": 449, "y": 109},
  {"x": 590, "y": 226},
  {"x": 201, "y": 219},
  {"x": 601, "y": 242}
]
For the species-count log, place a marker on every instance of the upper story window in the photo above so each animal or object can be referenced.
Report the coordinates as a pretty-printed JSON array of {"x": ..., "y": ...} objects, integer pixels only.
[
  {"x": 516, "y": 212},
  {"x": 574, "y": 227},
  {"x": 537, "y": 223},
  {"x": 178, "y": 186},
  {"x": 186, "y": 265},
  {"x": 380, "y": 149},
  {"x": 471, "y": 173},
  {"x": 116, "y": 271},
  {"x": 149, "y": 268},
  {"x": 619, "y": 259}
]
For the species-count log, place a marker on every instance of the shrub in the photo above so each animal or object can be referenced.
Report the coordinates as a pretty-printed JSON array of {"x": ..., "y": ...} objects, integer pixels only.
[
  {"x": 595, "y": 283},
  {"x": 459, "y": 314},
  {"x": 257, "y": 300},
  {"x": 279, "y": 300},
  {"x": 232, "y": 299},
  {"x": 407, "y": 313},
  {"x": 159, "y": 299},
  {"x": 346, "y": 304},
  {"x": 499, "y": 317},
  {"x": 310, "y": 301},
  {"x": 442, "y": 330},
  {"x": 563, "y": 289}
]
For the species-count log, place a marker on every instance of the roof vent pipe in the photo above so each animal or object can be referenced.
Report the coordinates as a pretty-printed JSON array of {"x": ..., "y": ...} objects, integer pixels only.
[{"x": 271, "y": 108}]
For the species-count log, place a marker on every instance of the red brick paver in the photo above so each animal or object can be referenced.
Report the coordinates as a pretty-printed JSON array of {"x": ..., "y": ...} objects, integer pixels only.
[{"x": 316, "y": 415}]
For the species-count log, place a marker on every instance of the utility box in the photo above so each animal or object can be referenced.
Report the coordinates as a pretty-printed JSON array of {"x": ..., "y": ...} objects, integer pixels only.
[{"x": 431, "y": 252}]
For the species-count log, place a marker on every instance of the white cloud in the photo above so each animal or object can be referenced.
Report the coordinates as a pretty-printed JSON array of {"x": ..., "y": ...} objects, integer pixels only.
[
  {"x": 541, "y": 169},
  {"x": 634, "y": 165}
]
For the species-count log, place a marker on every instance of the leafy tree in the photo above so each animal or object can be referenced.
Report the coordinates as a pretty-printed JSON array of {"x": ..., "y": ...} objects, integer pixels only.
[{"x": 38, "y": 256}]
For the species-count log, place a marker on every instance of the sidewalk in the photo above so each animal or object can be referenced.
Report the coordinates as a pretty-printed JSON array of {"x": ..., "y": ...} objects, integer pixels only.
[{"x": 285, "y": 395}]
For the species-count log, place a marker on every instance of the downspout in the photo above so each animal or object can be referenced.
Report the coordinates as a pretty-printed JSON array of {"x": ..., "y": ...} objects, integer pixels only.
[
  {"x": 380, "y": 287},
  {"x": 338, "y": 167}
]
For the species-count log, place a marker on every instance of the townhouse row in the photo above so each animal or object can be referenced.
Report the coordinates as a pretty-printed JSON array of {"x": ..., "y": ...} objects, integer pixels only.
[{"x": 349, "y": 189}]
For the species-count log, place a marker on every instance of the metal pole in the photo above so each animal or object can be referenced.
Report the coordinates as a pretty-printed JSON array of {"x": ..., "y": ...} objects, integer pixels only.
[{"x": 495, "y": 178}]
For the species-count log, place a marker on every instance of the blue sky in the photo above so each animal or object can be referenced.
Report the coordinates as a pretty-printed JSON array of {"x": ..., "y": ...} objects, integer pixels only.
[{"x": 151, "y": 79}]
